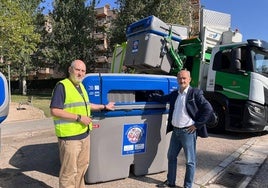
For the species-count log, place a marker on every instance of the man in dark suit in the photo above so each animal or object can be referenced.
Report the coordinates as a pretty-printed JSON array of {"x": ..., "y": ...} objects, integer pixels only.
[{"x": 189, "y": 112}]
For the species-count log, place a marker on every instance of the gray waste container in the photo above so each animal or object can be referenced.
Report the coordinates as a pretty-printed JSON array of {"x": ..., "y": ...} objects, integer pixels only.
[
  {"x": 145, "y": 45},
  {"x": 132, "y": 138}
]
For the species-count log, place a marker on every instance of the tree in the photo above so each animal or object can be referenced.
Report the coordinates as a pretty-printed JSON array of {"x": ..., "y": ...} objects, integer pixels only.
[
  {"x": 17, "y": 34},
  {"x": 72, "y": 36}
]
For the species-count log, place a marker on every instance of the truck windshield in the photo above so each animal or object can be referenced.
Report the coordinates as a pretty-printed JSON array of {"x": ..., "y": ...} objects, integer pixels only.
[{"x": 260, "y": 61}]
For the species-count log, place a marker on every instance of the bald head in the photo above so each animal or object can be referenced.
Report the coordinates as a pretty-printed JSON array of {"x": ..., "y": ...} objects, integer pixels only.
[
  {"x": 185, "y": 72},
  {"x": 77, "y": 71},
  {"x": 184, "y": 79},
  {"x": 77, "y": 62}
]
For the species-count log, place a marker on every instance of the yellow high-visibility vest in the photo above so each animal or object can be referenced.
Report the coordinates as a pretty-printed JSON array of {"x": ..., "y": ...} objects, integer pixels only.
[{"x": 74, "y": 103}]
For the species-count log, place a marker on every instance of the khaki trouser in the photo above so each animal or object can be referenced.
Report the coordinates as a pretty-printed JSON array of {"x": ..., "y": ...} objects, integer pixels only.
[{"x": 74, "y": 157}]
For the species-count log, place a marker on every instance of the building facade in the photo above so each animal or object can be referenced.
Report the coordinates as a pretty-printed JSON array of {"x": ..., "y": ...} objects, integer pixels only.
[{"x": 104, "y": 16}]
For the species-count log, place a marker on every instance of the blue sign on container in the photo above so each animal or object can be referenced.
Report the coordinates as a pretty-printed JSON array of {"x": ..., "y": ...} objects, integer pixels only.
[{"x": 134, "y": 138}]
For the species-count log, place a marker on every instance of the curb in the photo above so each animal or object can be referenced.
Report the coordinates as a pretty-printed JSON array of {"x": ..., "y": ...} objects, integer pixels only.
[{"x": 244, "y": 163}]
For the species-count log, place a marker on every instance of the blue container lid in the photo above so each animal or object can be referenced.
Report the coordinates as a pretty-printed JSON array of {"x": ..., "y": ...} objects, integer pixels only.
[
  {"x": 146, "y": 26},
  {"x": 4, "y": 98}
]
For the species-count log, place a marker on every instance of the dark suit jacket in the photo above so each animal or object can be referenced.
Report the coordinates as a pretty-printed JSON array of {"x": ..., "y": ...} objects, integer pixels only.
[{"x": 198, "y": 108}]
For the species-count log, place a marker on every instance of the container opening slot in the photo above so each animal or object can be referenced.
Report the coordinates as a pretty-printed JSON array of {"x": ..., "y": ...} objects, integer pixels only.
[{"x": 122, "y": 96}]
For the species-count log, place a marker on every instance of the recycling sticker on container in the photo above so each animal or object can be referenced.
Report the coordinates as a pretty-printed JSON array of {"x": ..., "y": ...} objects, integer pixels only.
[
  {"x": 134, "y": 138},
  {"x": 135, "y": 46}
]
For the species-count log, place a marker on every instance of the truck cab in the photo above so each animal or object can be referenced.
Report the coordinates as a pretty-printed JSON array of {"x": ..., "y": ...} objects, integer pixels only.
[{"x": 237, "y": 85}]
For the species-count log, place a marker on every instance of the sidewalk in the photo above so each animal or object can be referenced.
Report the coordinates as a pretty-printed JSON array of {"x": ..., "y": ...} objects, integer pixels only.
[
  {"x": 240, "y": 167},
  {"x": 27, "y": 112}
]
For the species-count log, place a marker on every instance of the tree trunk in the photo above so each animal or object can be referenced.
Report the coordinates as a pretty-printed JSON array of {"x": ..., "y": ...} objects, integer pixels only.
[
  {"x": 24, "y": 82},
  {"x": 24, "y": 85}
]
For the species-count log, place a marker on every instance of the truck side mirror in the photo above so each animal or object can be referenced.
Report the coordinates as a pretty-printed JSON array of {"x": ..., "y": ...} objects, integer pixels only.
[{"x": 236, "y": 59}]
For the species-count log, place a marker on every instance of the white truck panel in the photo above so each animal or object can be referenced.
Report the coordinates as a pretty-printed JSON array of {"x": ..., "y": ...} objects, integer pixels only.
[{"x": 258, "y": 83}]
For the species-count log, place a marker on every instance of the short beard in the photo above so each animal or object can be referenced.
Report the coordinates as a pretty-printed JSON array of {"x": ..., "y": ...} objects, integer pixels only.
[{"x": 75, "y": 80}]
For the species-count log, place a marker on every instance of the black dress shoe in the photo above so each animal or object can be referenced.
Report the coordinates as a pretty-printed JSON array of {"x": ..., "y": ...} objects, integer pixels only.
[{"x": 165, "y": 184}]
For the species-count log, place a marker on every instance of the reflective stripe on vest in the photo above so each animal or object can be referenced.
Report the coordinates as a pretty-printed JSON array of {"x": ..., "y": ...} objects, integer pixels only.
[{"x": 65, "y": 128}]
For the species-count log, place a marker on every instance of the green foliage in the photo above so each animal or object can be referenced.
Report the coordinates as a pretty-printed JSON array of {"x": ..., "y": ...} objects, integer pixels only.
[
  {"x": 18, "y": 35},
  {"x": 26, "y": 42},
  {"x": 41, "y": 57},
  {"x": 73, "y": 25},
  {"x": 17, "y": 32}
]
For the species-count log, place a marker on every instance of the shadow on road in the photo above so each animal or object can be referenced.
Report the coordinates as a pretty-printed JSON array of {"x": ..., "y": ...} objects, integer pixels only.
[
  {"x": 237, "y": 135},
  {"x": 15, "y": 178},
  {"x": 40, "y": 157}
]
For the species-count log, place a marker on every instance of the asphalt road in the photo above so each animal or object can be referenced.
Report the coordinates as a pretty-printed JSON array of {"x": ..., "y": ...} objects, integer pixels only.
[
  {"x": 260, "y": 179},
  {"x": 29, "y": 158}
]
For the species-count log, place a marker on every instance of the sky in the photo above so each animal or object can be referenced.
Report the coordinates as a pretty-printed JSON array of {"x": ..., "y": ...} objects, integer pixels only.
[{"x": 248, "y": 16}]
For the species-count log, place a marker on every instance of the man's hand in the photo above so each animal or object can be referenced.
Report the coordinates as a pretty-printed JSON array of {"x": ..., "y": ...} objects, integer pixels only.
[
  {"x": 191, "y": 129},
  {"x": 110, "y": 106},
  {"x": 85, "y": 120}
]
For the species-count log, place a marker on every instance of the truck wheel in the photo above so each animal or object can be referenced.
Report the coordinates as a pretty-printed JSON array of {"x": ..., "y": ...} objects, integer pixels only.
[{"x": 218, "y": 126}]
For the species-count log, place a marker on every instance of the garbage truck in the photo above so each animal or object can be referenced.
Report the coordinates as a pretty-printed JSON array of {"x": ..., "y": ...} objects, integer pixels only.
[{"x": 232, "y": 73}]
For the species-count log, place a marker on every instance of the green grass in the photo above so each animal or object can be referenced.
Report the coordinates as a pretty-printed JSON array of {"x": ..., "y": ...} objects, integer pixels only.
[{"x": 39, "y": 101}]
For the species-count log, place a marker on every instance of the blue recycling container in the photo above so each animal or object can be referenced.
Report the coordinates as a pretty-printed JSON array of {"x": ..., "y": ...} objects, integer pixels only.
[
  {"x": 4, "y": 98},
  {"x": 132, "y": 138}
]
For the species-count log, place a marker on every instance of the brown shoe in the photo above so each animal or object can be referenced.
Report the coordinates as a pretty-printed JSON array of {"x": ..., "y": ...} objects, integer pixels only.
[{"x": 165, "y": 184}]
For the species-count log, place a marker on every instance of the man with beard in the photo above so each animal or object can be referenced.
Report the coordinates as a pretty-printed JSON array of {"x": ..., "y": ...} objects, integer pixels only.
[{"x": 71, "y": 109}]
